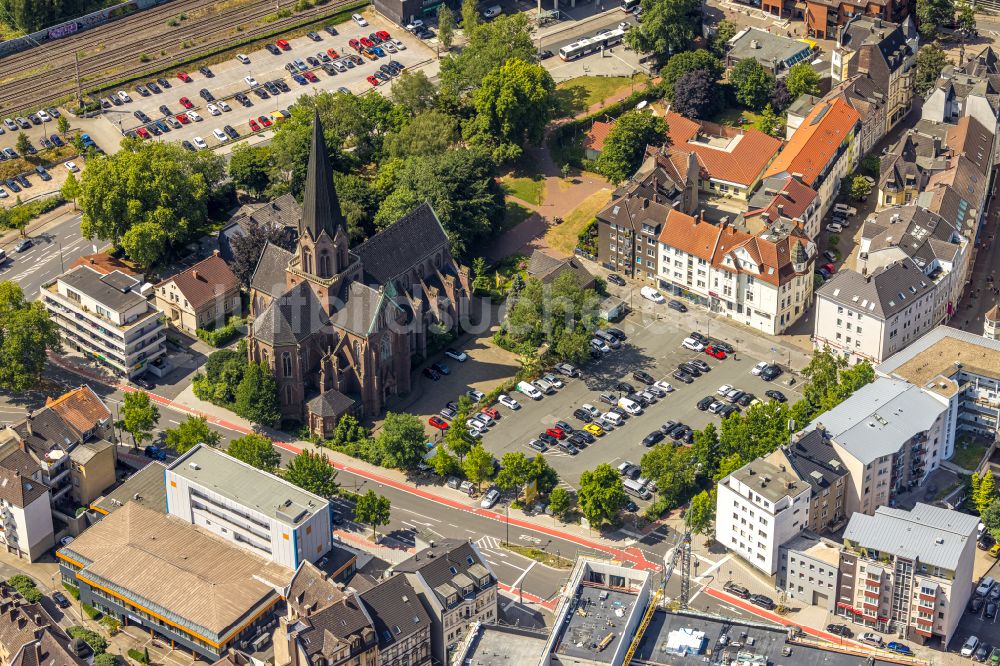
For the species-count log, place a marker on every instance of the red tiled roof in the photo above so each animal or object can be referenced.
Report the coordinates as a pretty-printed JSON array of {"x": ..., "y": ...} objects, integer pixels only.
[
  {"x": 597, "y": 134},
  {"x": 816, "y": 140},
  {"x": 742, "y": 161},
  {"x": 104, "y": 264},
  {"x": 81, "y": 408},
  {"x": 206, "y": 280},
  {"x": 794, "y": 198}
]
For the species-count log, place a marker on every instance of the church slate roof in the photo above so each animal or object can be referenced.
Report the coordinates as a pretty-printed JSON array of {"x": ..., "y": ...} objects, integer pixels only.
[
  {"x": 361, "y": 305},
  {"x": 320, "y": 206},
  {"x": 292, "y": 318},
  {"x": 331, "y": 403},
  {"x": 269, "y": 276},
  {"x": 399, "y": 247}
]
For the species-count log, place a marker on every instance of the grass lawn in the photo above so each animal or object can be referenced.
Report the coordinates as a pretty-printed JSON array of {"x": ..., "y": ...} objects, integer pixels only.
[
  {"x": 563, "y": 237},
  {"x": 514, "y": 215},
  {"x": 732, "y": 116},
  {"x": 579, "y": 94},
  {"x": 968, "y": 452},
  {"x": 530, "y": 189},
  {"x": 545, "y": 557}
]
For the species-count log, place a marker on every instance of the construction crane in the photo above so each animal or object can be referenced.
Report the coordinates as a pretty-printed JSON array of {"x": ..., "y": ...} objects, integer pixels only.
[{"x": 682, "y": 551}]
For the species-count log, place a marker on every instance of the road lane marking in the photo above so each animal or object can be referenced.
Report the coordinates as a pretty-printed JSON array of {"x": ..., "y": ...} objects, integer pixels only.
[{"x": 524, "y": 573}]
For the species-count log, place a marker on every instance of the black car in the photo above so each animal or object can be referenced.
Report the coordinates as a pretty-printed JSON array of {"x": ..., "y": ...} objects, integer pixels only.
[
  {"x": 242, "y": 99},
  {"x": 60, "y": 599},
  {"x": 391, "y": 71},
  {"x": 260, "y": 92},
  {"x": 21, "y": 178},
  {"x": 441, "y": 368},
  {"x": 272, "y": 88},
  {"x": 13, "y": 187},
  {"x": 624, "y": 387},
  {"x": 187, "y": 145},
  {"x": 631, "y": 506},
  {"x": 577, "y": 440},
  {"x": 727, "y": 410},
  {"x": 676, "y": 305},
  {"x": 331, "y": 30},
  {"x": 30, "y": 149},
  {"x": 206, "y": 72},
  {"x": 312, "y": 61},
  {"x": 231, "y": 131},
  {"x": 548, "y": 439},
  {"x": 165, "y": 110},
  {"x": 42, "y": 173},
  {"x": 699, "y": 337},
  {"x": 630, "y": 471},
  {"x": 619, "y": 411},
  {"x": 583, "y": 415},
  {"x": 281, "y": 85},
  {"x": 57, "y": 141},
  {"x": 991, "y": 610},
  {"x": 314, "y": 36},
  {"x": 682, "y": 376},
  {"x": 565, "y": 427},
  {"x": 643, "y": 377},
  {"x": 724, "y": 346},
  {"x": 652, "y": 438},
  {"x": 776, "y": 395},
  {"x": 163, "y": 82},
  {"x": 692, "y": 370},
  {"x": 587, "y": 437},
  {"x": 736, "y": 590},
  {"x": 976, "y": 605},
  {"x": 983, "y": 652},
  {"x": 618, "y": 333},
  {"x": 840, "y": 630},
  {"x": 705, "y": 402},
  {"x": 25, "y": 244},
  {"x": 206, "y": 95},
  {"x": 614, "y": 278},
  {"x": 639, "y": 398},
  {"x": 272, "y": 49},
  {"x": 680, "y": 433},
  {"x": 545, "y": 55},
  {"x": 155, "y": 88},
  {"x": 763, "y": 601},
  {"x": 141, "y": 116},
  {"x": 142, "y": 90},
  {"x": 745, "y": 399},
  {"x": 770, "y": 373},
  {"x": 431, "y": 373}
]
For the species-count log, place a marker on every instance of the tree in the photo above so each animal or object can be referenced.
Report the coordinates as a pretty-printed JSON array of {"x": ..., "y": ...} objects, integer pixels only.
[
  {"x": 965, "y": 17},
  {"x": 372, "y": 509},
  {"x": 415, "y": 92},
  {"x": 668, "y": 27},
  {"x": 402, "y": 440},
  {"x": 673, "y": 469},
  {"x": 27, "y": 334},
  {"x": 71, "y": 187},
  {"x": 513, "y": 104},
  {"x": 190, "y": 433},
  {"x": 248, "y": 245},
  {"x": 256, "y": 451},
  {"x": 561, "y": 502},
  {"x": 933, "y": 13},
  {"x": 931, "y": 59},
  {"x": 145, "y": 243},
  {"x": 478, "y": 465},
  {"x": 446, "y": 27},
  {"x": 250, "y": 167},
  {"x": 542, "y": 474},
  {"x": 686, "y": 62},
  {"x": 515, "y": 470},
  {"x": 313, "y": 472},
  {"x": 728, "y": 465},
  {"x": 697, "y": 95},
  {"x": 257, "y": 396},
  {"x": 986, "y": 494},
  {"x": 489, "y": 46},
  {"x": 561, "y": 314},
  {"x": 802, "y": 79},
  {"x": 429, "y": 134},
  {"x": 348, "y": 431},
  {"x": 23, "y": 143},
  {"x": 990, "y": 518},
  {"x": 444, "y": 463},
  {"x": 769, "y": 122},
  {"x": 626, "y": 143},
  {"x": 752, "y": 83},
  {"x": 139, "y": 416},
  {"x": 860, "y": 188},
  {"x": 62, "y": 124},
  {"x": 470, "y": 16},
  {"x": 456, "y": 437},
  {"x": 701, "y": 513},
  {"x": 105, "y": 658},
  {"x": 781, "y": 99},
  {"x": 601, "y": 495},
  {"x": 705, "y": 450},
  {"x": 719, "y": 43}
]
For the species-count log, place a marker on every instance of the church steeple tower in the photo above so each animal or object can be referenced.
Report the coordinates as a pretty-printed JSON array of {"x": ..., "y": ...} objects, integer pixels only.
[{"x": 320, "y": 207}]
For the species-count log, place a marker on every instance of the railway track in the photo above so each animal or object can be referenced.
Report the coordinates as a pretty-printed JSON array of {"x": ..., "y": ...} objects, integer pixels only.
[{"x": 37, "y": 77}]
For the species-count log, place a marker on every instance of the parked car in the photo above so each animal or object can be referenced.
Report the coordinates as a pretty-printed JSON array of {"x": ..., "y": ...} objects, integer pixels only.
[
  {"x": 763, "y": 601},
  {"x": 60, "y": 600},
  {"x": 614, "y": 278},
  {"x": 970, "y": 646},
  {"x": 438, "y": 422},
  {"x": 651, "y": 294},
  {"x": 737, "y": 590},
  {"x": 676, "y": 305},
  {"x": 154, "y": 452},
  {"x": 899, "y": 648},
  {"x": 871, "y": 638},
  {"x": 456, "y": 355},
  {"x": 491, "y": 497},
  {"x": 508, "y": 402},
  {"x": 840, "y": 630}
]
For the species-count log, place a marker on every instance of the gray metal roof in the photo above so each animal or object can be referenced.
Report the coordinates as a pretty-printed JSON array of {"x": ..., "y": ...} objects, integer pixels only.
[
  {"x": 932, "y": 535},
  {"x": 248, "y": 486},
  {"x": 879, "y": 418},
  {"x": 772, "y": 51},
  {"x": 113, "y": 291},
  {"x": 881, "y": 294}
]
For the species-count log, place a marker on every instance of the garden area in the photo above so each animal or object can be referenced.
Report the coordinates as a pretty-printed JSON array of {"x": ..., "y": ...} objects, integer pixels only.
[
  {"x": 577, "y": 95},
  {"x": 566, "y": 236},
  {"x": 969, "y": 451}
]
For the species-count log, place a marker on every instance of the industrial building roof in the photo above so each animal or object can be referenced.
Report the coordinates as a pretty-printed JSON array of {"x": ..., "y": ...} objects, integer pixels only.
[
  {"x": 937, "y": 537},
  {"x": 495, "y": 645},
  {"x": 145, "y": 487},
  {"x": 242, "y": 483},
  {"x": 595, "y": 630}
]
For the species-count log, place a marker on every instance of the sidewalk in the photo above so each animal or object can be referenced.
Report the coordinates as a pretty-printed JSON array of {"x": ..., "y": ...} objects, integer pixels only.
[{"x": 54, "y": 216}]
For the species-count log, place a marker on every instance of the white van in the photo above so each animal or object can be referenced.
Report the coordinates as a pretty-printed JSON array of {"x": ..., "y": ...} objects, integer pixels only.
[
  {"x": 636, "y": 489},
  {"x": 529, "y": 390},
  {"x": 615, "y": 419},
  {"x": 630, "y": 406}
]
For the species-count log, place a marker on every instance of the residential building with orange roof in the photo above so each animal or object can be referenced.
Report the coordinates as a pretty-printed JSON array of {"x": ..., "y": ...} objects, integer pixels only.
[
  {"x": 203, "y": 296},
  {"x": 782, "y": 196},
  {"x": 104, "y": 263},
  {"x": 593, "y": 141},
  {"x": 762, "y": 280},
  {"x": 822, "y": 150},
  {"x": 731, "y": 161}
]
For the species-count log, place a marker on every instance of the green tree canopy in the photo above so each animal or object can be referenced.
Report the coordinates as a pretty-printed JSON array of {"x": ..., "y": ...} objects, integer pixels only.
[
  {"x": 444, "y": 463},
  {"x": 139, "y": 416},
  {"x": 456, "y": 437},
  {"x": 668, "y": 27},
  {"x": 802, "y": 79},
  {"x": 515, "y": 469},
  {"x": 674, "y": 470},
  {"x": 860, "y": 188},
  {"x": 689, "y": 61},
  {"x": 478, "y": 465},
  {"x": 751, "y": 83},
  {"x": 414, "y": 92},
  {"x": 429, "y": 134},
  {"x": 965, "y": 17},
  {"x": 931, "y": 59},
  {"x": 71, "y": 186},
  {"x": 513, "y": 104},
  {"x": 626, "y": 144},
  {"x": 446, "y": 27},
  {"x": 313, "y": 471},
  {"x": 402, "y": 440},
  {"x": 26, "y": 336},
  {"x": 489, "y": 46},
  {"x": 257, "y": 396},
  {"x": 701, "y": 514},
  {"x": 985, "y": 492},
  {"x": 601, "y": 495},
  {"x": 255, "y": 450},
  {"x": 250, "y": 168},
  {"x": 768, "y": 121},
  {"x": 991, "y": 519},
  {"x": 561, "y": 502},
  {"x": 145, "y": 243},
  {"x": 932, "y": 14},
  {"x": 190, "y": 433},
  {"x": 724, "y": 31},
  {"x": 470, "y": 16},
  {"x": 372, "y": 509}
]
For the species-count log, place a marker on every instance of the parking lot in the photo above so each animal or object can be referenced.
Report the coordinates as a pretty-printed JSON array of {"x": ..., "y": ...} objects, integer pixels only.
[{"x": 975, "y": 623}]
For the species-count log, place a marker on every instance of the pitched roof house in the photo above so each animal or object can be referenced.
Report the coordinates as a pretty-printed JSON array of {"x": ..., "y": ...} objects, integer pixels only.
[{"x": 202, "y": 296}]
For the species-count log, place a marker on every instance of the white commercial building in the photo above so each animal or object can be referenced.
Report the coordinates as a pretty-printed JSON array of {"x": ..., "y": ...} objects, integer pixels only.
[{"x": 258, "y": 511}]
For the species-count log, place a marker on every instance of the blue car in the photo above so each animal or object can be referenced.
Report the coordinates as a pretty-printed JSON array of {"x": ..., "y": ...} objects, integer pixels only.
[
  {"x": 155, "y": 452},
  {"x": 299, "y": 79},
  {"x": 899, "y": 648},
  {"x": 377, "y": 50}
]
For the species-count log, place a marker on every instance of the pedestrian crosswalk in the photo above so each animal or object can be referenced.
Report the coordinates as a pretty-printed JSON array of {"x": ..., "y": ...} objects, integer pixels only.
[{"x": 488, "y": 543}]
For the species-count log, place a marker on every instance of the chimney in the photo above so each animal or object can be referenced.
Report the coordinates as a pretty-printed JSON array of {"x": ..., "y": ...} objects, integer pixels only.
[
  {"x": 92, "y": 261},
  {"x": 937, "y": 146},
  {"x": 215, "y": 253},
  {"x": 781, "y": 210},
  {"x": 27, "y": 423},
  {"x": 645, "y": 203},
  {"x": 194, "y": 274}
]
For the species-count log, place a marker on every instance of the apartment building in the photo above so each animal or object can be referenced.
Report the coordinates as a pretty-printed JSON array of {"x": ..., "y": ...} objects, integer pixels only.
[
  {"x": 813, "y": 459},
  {"x": 252, "y": 509},
  {"x": 783, "y": 197},
  {"x": 26, "y": 528},
  {"x": 823, "y": 18},
  {"x": 991, "y": 323},
  {"x": 456, "y": 586},
  {"x": 966, "y": 89},
  {"x": 906, "y": 169},
  {"x": 760, "y": 507},
  {"x": 205, "y": 296},
  {"x": 889, "y": 435},
  {"x": 764, "y": 280},
  {"x": 402, "y": 625},
  {"x": 809, "y": 570},
  {"x": 823, "y": 149},
  {"x": 908, "y": 572},
  {"x": 731, "y": 161},
  {"x": 106, "y": 317}
]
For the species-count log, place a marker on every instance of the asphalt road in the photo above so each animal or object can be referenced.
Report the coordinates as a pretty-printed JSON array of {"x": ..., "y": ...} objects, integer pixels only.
[{"x": 54, "y": 250}]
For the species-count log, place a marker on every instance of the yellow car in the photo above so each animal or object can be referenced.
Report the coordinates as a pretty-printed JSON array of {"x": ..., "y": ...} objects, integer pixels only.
[
  {"x": 995, "y": 550},
  {"x": 594, "y": 429}
]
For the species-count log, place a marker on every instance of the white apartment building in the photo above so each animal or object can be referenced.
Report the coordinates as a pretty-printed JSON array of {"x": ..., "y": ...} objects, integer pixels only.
[
  {"x": 908, "y": 572},
  {"x": 255, "y": 510},
  {"x": 760, "y": 507},
  {"x": 872, "y": 316},
  {"x": 107, "y": 318},
  {"x": 763, "y": 281}
]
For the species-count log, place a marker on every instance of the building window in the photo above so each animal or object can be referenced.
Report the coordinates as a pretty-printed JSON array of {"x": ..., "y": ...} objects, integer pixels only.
[{"x": 286, "y": 364}]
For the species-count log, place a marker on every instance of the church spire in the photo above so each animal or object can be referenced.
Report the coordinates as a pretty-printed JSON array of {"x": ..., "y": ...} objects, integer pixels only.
[{"x": 320, "y": 207}]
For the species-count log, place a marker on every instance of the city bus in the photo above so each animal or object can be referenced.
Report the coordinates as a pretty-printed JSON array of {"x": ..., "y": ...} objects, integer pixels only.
[{"x": 590, "y": 45}]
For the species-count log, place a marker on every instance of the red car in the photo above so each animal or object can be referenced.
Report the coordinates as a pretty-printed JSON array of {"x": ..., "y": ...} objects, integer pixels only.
[
  {"x": 556, "y": 432},
  {"x": 310, "y": 76},
  {"x": 354, "y": 44},
  {"x": 372, "y": 80},
  {"x": 716, "y": 353},
  {"x": 142, "y": 132},
  {"x": 438, "y": 422},
  {"x": 383, "y": 35},
  {"x": 265, "y": 121},
  {"x": 283, "y": 45},
  {"x": 490, "y": 412},
  {"x": 332, "y": 53},
  {"x": 186, "y": 103},
  {"x": 184, "y": 77},
  {"x": 366, "y": 42},
  {"x": 830, "y": 267},
  {"x": 254, "y": 127},
  {"x": 183, "y": 118}
]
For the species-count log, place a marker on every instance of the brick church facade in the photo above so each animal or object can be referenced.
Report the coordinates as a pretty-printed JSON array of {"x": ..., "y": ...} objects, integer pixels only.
[{"x": 338, "y": 325}]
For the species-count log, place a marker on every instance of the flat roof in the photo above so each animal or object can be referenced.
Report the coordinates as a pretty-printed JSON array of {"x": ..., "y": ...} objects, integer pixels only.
[
  {"x": 768, "y": 642},
  {"x": 600, "y": 612},
  {"x": 814, "y": 546},
  {"x": 180, "y": 572},
  {"x": 114, "y": 290},
  {"x": 493, "y": 645},
  {"x": 242, "y": 483},
  {"x": 935, "y": 354},
  {"x": 770, "y": 481},
  {"x": 767, "y": 48},
  {"x": 145, "y": 487}
]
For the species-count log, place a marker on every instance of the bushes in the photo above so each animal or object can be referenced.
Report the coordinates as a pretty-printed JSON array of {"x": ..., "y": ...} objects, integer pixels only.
[
  {"x": 223, "y": 335},
  {"x": 26, "y": 587},
  {"x": 141, "y": 657},
  {"x": 18, "y": 216},
  {"x": 97, "y": 643},
  {"x": 91, "y": 612},
  {"x": 105, "y": 660},
  {"x": 111, "y": 624},
  {"x": 587, "y": 238},
  {"x": 73, "y": 590}
]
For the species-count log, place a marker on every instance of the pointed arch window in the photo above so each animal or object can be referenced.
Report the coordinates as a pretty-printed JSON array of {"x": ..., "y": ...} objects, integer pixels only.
[
  {"x": 286, "y": 364},
  {"x": 385, "y": 353},
  {"x": 324, "y": 264},
  {"x": 307, "y": 260}
]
